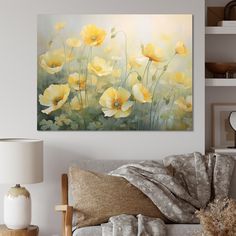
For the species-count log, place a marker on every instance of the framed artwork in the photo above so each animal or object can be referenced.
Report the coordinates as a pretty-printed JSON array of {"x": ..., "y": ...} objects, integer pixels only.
[
  {"x": 222, "y": 132},
  {"x": 115, "y": 72}
]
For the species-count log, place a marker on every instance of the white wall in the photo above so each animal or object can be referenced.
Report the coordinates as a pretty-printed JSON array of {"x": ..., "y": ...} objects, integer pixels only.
[{"x": 18, "y": 34}]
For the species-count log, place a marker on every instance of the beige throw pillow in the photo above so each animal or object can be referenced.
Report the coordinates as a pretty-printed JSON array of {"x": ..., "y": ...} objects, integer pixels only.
[{"x": 98, "y": 196}]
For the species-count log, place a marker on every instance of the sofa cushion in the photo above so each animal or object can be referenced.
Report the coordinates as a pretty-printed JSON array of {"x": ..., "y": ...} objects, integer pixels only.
[
  {"x": 105, "y": 166},
  {"x": 172, "y": 230},
  {"x": 88, "y": 231},
  {"x": 98, "y": 196}
]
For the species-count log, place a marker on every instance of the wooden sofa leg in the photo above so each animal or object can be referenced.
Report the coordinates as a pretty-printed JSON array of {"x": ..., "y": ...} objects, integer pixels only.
[
  {"x": 68, "y": 221},
  {"x": 67, "y": 213}
]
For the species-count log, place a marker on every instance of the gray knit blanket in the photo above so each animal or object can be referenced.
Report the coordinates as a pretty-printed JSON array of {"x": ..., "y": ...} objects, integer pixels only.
[{"x": 178, "y": 185}]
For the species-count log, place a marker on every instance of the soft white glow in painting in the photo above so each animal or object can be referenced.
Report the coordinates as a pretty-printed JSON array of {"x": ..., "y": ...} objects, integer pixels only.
[{"x": 115, "y": 72}]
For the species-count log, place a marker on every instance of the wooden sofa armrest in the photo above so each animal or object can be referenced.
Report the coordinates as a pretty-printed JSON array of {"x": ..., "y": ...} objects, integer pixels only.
[
  {"x": 61, "y": 208},
  {"x": 67, "y": 212}
]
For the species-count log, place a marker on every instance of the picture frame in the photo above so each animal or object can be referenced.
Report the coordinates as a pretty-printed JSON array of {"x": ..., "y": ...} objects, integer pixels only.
[
  {"x": 115, "y": 72},
  {"x": 222, "y": 132}
]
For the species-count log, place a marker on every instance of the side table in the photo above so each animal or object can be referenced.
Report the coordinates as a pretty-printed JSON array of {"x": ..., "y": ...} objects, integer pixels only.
[{"x": 32, "y": 230}]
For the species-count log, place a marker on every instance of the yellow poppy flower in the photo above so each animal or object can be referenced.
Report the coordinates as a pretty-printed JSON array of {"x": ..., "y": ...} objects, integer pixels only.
[
  {"x": 75, "y": 104},
  {"x": 92, "y": 35},
  {"x": 141, "y": 93},
  {"x": 154, "y": 54},
  {"x": 73, "y": 42},
  {"x": 53, "y": 61},
  {"x": 100, "y": 67},
  {"x": 116, "y": 102},
  {"x": 181, "y": 49},
  {"x": 59, "y": 26},
  {"x": 184, "y": 104},
  {"x": 181, "y": 79},
  {"x": 61, "y": 120},
  {"x": 54, "y": 97},
  {"x": 76, "y": 81}
]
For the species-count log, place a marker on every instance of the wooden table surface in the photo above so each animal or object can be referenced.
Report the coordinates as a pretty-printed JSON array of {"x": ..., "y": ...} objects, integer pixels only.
[{"x": 30, "y": 231}]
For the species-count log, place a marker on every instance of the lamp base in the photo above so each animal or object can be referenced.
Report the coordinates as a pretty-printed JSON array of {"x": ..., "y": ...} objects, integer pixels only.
[{"x": 17, "y": 208}]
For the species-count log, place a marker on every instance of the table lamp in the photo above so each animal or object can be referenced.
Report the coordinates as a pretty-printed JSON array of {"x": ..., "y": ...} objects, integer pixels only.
[{"x": 21, "y": 162}]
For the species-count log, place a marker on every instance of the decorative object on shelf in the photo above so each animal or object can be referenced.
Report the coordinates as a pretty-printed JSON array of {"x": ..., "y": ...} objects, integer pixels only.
[
  {"x": 216, "y": 15},
  {"x": 228, "y": 21},
  {"x": 232, "y": 122},
  {"x": 228, "y": 10},
  {"x": 32, "y": 230},
  {"x": 218, "y": 218},
  {"x": 222, "y": 132},
  {"x": 21, "y": 162},
  {"x": 115, "y": 72},
  {"x": 222, "y": 70}
]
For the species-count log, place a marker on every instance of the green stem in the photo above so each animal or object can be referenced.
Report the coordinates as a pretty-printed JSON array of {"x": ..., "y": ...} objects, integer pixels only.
[
  {"x": 64, "y": 48},
  {"x": 155, "y": 115},
  {"x": 173, "y": 100},
  {"x": 153, "y": 98},
  {"x": 171, "y": 106},
  {"x": 163, "y": 71},
  {"x": 82, "y": 50},
  {"x": 86, "y": 74},
  {"x": 131, "y": 72},
  {"x": 114, "y": 64},
  {"x": 126, "y": 51},
  {"x": 80, "y": 98},
  {"x": 155, "y": 86},
  {"x": 54, "y": 35},
  {"x": 84, "y": 123},
  {"x": 70, "y": 55},
  {"x": 56, "y": 75},
  {"x": 71, "y": 51},
  {"x": 153, "y": 112},
  {"x": 158, "y": 68},
  {"x": 150, "y": 62},
  {"x": 145, "y": 69}
]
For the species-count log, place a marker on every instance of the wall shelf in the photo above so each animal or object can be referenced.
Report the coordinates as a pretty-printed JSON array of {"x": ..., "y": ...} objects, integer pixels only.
[
  {"x": 224, "y": 150},
  {"x": 211, "y": 82},
  {"x": 220, "y": 30}
]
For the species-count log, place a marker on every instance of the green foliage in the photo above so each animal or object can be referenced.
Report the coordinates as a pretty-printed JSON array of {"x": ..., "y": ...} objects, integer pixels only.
[
  {"x": 113, "y": 36},
  {"x": 139, "y": 77},
  {"x": 48, "y": 125}
]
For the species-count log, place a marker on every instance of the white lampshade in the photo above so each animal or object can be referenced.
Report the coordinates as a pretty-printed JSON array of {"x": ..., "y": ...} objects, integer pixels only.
[{"x": 21, "y": 161}]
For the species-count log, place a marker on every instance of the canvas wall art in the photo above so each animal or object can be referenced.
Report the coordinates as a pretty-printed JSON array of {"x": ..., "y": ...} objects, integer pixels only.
[{"x": 115, "y": 72}]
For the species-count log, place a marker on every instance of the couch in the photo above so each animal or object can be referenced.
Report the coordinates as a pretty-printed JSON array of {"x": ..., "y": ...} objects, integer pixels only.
[{"x": 105, "y": 166}]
